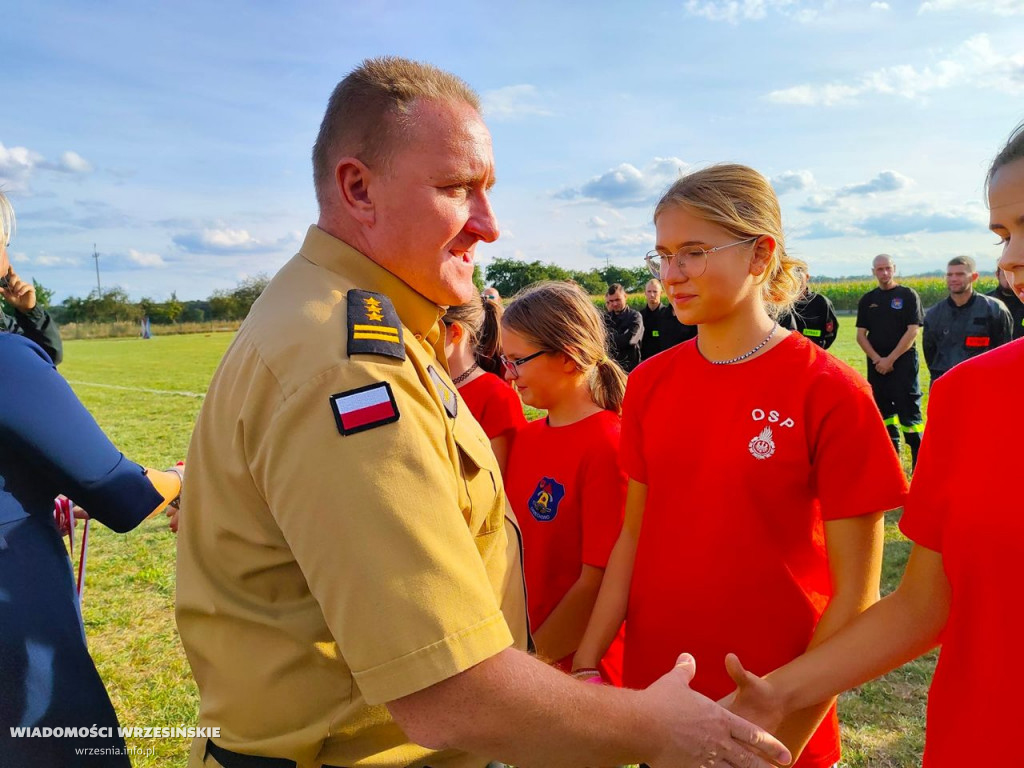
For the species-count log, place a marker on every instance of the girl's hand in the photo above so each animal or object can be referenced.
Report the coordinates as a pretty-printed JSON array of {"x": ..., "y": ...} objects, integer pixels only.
[{"x": 755, "y": 699}]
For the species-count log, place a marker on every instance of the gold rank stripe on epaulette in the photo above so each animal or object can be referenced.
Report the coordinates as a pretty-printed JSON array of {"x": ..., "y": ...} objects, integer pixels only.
[{"x": 373, "y": 325}]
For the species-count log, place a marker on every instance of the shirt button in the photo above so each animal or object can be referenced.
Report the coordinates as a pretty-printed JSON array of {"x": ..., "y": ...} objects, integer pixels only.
[{"x": 419, "y": 337}]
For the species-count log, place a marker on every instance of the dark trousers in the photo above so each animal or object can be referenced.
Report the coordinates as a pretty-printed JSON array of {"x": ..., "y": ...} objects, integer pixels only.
[{"x": 898, "y": 397}]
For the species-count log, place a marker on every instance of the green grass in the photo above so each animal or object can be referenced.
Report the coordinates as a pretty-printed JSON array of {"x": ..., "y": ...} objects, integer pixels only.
[{"x": 129, "y": 598}]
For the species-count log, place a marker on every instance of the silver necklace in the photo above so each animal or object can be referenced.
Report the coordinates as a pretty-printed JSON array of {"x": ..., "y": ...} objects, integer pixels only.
[
  {"x": 745, "y": 355},
  {"x": 463, "y": 376}
]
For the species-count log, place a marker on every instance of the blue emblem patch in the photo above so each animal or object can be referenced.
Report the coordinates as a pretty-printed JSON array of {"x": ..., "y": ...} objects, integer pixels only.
[
  {"x": 543, "y": 503},
  {"x": 897, "y": 302}
]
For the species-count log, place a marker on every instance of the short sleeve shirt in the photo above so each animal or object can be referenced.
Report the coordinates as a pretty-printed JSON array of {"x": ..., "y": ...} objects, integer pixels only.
[
  {"x": 979, "y": 531},
  {"x": 569, "y": 494},
  {"x": 886, "y": 315},
  {"x": 743, "y": 465},
  {"x": 494, "y": 404},
  {"x": 322, "y": 574}
]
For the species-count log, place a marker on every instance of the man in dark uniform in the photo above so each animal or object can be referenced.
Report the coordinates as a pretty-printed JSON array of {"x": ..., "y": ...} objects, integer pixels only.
[
  {"x": 812, "y": 315},
  {"x": 662, "y": 328},
  {"x": 30, "y": 320},
  {"x": 965, "y": 324},
  {"x": 888, "y": 321},
  {"x": 1005, "y": 294},
  {"x": 349, "y": 583},
  {"x": 625, "y": 328}
]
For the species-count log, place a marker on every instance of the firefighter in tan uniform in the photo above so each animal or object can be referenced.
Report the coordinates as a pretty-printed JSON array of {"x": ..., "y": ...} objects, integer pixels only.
[{"x": 349, "y": 585}]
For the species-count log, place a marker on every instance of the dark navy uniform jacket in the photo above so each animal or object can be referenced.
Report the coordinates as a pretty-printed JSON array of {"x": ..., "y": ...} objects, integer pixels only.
[
  {"x": 38, "y": 326},
  {"x": 49, "y": 444}
]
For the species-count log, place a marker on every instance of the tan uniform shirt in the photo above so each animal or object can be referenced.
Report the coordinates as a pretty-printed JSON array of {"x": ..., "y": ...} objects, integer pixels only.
[{"x": 321, "y": 574}]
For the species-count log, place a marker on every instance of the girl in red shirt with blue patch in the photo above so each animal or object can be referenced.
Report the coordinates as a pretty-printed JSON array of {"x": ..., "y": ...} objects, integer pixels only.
[
  {"x": 962, "y": 583},
  {"x": 563, "y": 478},
  {"x": 759, "y": 467}
]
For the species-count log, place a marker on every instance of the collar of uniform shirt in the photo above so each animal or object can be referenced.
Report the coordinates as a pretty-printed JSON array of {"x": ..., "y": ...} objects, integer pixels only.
[{"x": 417, "y": 313}]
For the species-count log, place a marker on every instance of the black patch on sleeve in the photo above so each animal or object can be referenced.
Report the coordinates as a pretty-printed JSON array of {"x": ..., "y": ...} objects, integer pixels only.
[{"x": 373, "y": 325}]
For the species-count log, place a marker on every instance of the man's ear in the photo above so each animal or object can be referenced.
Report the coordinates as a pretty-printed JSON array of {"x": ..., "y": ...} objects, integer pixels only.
[
  {"x": 764, "y": 249},
  {"x": 353, "y": 181}
]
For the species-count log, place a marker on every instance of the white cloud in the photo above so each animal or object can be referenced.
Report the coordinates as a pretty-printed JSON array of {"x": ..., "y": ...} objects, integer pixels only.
[
  {"x": 596, "y": 222},
  {"x": 626, "y": 184},
  {"x": 513, "y": 101},
  {"x": 16, "y": 166},
  {"x": 227, "y": 240},
  {"x": 735, "y": 11},
  {"x": 996, "y": 7},
  {"x": 879, "y": 6},
  {"x": 886, "y": 181},
  {"x": 146, "y": 259},
  {"x": 792, "y": 181},
  {"x": 72, "y": 162},
  {"x": 973, "y": 64},
  {"x": 623, "y": 247}
]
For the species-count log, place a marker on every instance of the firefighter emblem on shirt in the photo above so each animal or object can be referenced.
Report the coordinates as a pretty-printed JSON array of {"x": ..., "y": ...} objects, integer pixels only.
[
  {"x": 761, "y": 445},
  {"x": 897, "y": 302},
  {"x": 544, "y": 502}
]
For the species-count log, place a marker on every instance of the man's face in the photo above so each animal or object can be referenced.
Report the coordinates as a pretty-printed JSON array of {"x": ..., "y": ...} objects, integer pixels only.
[
  {"x": 884, "y": 271},
  {"x": 615, "y": 302},
  {"x": 432, "y": 208},
  {"x": 959, "y": 279},
  {"x": 653, "y": 294}
]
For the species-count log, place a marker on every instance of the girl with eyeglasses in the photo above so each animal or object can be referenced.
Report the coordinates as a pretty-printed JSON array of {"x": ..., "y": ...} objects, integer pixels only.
[
  {"x": 961, "y": 586},
  {"x": 472, "y": 344},
  {"x": 563, "y": 478},
  {"x": 759, "y": 468}
]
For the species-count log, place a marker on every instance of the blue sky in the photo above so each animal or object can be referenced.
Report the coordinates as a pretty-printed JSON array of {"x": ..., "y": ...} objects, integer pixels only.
[{"x": 176, "y": 136}]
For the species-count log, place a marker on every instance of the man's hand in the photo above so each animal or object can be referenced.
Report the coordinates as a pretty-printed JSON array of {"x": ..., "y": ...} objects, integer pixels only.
[
  {"x": 19, "y": 294},
  {"x": 703, "y": 734},
  {"x": 884, "y": 365},
  {"x": 754, "y": 699}
]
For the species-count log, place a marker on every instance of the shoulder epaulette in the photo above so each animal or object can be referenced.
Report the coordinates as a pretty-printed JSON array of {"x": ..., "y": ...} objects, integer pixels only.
[{"x": 373, "y": 325}]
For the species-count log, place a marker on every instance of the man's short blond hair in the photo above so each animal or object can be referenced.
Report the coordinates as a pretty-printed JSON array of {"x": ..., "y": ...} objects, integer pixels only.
[{"x": 370, "y": 109}]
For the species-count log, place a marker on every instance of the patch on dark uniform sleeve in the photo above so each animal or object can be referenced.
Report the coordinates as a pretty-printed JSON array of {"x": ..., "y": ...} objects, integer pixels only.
[
  {"x": 446, "y": 393},
  {"x": 364, "y": 408},
  {"x": 373, "y": 325}
]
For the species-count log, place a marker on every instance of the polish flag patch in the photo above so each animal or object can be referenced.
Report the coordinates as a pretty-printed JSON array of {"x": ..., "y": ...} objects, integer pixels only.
[{"x": 365, "y": 408}]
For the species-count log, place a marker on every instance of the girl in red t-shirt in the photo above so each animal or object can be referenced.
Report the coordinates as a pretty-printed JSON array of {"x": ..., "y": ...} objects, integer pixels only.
[
  {"x": 563, "y": 479},
  {"x": 759, "y": 467},
  {"x": 962, "y": 583},
  {"x": 472, "y": 344}
]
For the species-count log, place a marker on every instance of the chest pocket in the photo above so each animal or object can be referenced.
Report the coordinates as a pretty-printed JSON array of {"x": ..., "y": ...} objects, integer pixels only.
[{"x": 481, "y": 496}]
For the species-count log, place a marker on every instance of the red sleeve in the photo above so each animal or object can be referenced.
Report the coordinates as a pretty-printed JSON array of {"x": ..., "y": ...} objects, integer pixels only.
[
  {"x": 854, "y": 467},
  {"x": 503, "y": 412},
  {"x": 939, "y": 476},
  {"x": 604, "y": 494},
  {"x": 631, "y": 456}
]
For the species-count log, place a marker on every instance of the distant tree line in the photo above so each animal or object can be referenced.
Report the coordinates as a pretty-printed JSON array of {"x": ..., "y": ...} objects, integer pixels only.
[
  {"x": 113, "y": 305},
  {"x": 507, "y": 275}
]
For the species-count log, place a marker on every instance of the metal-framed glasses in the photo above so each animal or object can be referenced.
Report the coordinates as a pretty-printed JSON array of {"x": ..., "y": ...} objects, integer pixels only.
[
  {"x": 690, "y": 259},
  {"x": 512, "y": 366}
]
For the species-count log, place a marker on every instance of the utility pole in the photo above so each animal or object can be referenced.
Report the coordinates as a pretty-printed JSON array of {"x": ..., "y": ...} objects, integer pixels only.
[{"x": 96, "y": 256}]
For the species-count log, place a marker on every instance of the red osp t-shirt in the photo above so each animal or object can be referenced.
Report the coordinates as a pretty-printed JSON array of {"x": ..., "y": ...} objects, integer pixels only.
[
  {"x": 494, "y": 404},
  {"x": 965, "y": 502},
  {"x": 743, "y": 463},
  {"x": 568, "y": 493}
]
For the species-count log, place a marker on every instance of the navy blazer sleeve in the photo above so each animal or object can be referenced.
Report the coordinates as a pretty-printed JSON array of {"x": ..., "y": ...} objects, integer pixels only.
[{"x": 43, "y": 420}]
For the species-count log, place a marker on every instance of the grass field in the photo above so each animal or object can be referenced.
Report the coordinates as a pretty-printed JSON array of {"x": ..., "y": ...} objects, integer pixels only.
[{"x": 146, "y": 395}]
